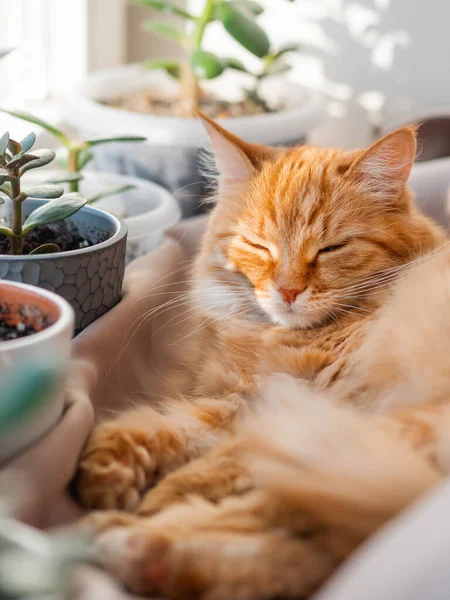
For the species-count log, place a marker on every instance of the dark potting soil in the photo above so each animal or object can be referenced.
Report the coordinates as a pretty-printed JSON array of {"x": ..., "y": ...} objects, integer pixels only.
[
  {"x": 66, "y": 235},
  {"x": 21, "y": 323},
  {"x": 13, "y": 332}
]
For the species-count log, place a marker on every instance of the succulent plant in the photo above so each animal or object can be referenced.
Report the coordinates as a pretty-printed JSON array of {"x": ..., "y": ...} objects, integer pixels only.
[
  {"x": 238, "y": 17},
  {"x": 78, "y": 154},
  {"x": 16, "y": 159}
]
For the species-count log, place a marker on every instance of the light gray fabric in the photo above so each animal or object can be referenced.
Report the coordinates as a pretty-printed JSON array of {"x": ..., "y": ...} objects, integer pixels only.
[{"x": 406, "y": 560}]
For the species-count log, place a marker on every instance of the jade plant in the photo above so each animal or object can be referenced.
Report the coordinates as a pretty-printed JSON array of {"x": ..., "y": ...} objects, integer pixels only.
[
  {"x": 238, "y": 17},
  {"x": 77, "y": 155},
  {"x": 16, "y": 159}
]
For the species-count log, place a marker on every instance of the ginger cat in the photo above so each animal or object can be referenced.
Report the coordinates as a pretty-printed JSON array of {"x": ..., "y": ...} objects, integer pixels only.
[{"x": 315, "y": 264}]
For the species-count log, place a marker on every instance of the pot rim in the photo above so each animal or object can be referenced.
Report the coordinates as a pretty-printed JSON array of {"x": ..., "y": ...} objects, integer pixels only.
[
  {"x": 295, "y": 120},
  {"x": 151, "y": 220},
  {"x": 66, "y": 317},
  {"x": 120, "y": 232}
]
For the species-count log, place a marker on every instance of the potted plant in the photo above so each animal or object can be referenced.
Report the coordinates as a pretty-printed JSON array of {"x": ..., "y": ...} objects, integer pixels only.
[
  {"x": 159, "y": 98},
  {"x": 147, "y": 208},
  {"x": 54, "y": 240},
  {"x": 36, "y": 328}
]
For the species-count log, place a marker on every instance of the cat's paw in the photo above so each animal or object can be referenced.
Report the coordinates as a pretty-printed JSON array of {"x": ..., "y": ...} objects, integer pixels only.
[
  {"x": 159, "y": 558},
  {"x": 139, "y": 559},
  {"x": 116, "y": 469},
  {"x": 99, "y": 521}
]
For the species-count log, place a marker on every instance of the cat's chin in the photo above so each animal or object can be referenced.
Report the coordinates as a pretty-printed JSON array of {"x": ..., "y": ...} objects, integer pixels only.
[{"x": 294, "y": 319}]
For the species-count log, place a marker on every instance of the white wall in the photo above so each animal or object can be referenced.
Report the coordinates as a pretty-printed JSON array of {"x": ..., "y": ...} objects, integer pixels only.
[{"x": 392, "y": 56}]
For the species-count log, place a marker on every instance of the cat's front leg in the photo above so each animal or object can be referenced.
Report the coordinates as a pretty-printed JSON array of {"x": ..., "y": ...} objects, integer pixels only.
[
  {"x": 129, "y": 454},
  {"x": 218, "y": 474},
  {"x": 232, "y": 550},
  {"x": 287, "y": 351}
]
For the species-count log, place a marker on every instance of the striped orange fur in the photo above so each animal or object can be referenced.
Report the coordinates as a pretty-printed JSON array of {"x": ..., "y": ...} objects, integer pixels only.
[{"x": 316, "y": 264}]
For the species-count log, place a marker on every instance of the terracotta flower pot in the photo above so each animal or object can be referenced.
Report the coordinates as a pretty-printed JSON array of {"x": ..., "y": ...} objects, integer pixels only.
[{"x": 52, "y": 318}]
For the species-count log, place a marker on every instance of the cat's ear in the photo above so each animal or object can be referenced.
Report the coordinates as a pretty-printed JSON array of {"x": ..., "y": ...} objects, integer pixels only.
[
  {"x": 383, "y": 169},
  {"x": 232, "y": 155}
]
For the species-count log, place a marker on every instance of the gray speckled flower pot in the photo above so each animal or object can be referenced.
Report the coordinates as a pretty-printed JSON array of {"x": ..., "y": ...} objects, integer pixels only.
[{"x": 90, "y": 279}]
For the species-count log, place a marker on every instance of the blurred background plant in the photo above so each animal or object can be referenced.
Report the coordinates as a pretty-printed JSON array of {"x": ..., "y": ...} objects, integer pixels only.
[
  {"x": 77, "y": 155},
  {"x": 238, "y": 18}
]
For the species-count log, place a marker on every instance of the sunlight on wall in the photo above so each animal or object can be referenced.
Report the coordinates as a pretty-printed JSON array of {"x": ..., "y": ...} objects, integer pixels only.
[{"x": 376, "y": 61}]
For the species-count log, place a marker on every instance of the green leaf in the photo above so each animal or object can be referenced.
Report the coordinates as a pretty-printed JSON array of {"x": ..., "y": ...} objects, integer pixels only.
[
  {"x": 172, "y": 67},
  {"x": 19, "y": 160},
  {"x": 244, "y": 30},
  {"x": 4, "y": 142},
  {"x": 166, "y": 30},
  {"x": 14, "y": 147},
  {"x": 28, "y": 142},
  {"x": 111, "y": 192},
  {"x": 233, "y": 63},
  {"x": 168, "y": 7},
  {"x": 36, "y": 121},
  {"x": 3, "y": 176},
  {"x": 249, "y": 7},
  {"x": 276, "y": 68},
  {"x": 5, "y": 188},
  {"x": 46, "y": 249},
  {"x": 84, "y": 158},
  {"x": 6, "y": 231},
  {"x": 65, "y": 178},
  {"x": 206, "y": 65},
  {"x": 43, "y": 157},
  {"x": 123, "y": 138},
  {"x": 287, "y": 48},
  {"x": 47, "y": 192},
  {"x": 54, "y": 211}
]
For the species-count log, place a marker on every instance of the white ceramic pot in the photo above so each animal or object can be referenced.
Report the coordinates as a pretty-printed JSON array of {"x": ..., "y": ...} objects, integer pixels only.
[
  {"x": 148, "y": 210},
  {"x": 170, "y": 156},
  {"x": 50, "y": 347}
]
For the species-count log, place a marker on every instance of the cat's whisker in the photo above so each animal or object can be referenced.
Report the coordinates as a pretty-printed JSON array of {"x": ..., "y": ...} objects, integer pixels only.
[
  {"x": 393, "y": 273},
  {"x": 217, "y": 304},
  {"x": 171, "y": 304},
  {"x": 144, "y": 318}
]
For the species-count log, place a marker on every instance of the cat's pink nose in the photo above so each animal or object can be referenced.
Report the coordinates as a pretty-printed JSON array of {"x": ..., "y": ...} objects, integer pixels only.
[{"x": 289, "y": 296}]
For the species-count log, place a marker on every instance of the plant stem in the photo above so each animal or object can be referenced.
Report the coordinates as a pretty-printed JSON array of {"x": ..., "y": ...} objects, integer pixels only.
[
  {"x": 72, "y": 166},
  {"x": 190, "y": 89},
  {"x": 202, "y": 22},
  {"x": 17, "y": 217}
]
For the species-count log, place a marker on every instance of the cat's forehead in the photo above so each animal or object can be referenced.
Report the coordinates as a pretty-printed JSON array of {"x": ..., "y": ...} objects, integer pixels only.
[{"x": 298, "y": 190}]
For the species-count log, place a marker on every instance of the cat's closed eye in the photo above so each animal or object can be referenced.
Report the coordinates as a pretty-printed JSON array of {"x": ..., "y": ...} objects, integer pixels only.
[
  {"x": 332, "y": 248},
  {"x": 257, "y": 246}
]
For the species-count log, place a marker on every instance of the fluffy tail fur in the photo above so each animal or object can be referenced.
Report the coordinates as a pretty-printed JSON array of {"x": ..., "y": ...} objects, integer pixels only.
[{"x": 349, "y": 470}]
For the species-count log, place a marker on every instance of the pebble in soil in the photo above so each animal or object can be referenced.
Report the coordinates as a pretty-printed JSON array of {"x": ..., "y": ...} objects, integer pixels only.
[
  {"x": 21, "y": 322},
  {"x": 14, "y": 332}
]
